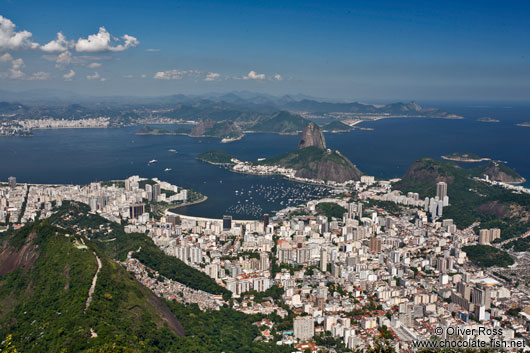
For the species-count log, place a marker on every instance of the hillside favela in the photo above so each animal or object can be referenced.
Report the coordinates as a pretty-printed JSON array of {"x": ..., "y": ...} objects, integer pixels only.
[{"x": 280, "y": 176}]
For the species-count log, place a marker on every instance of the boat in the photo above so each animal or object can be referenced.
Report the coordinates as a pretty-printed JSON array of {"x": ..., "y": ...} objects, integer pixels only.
[
  {"x": 152, "y": 161},
  {"x": 172, "y": 150},
  {"x": 167, "y": 169}
]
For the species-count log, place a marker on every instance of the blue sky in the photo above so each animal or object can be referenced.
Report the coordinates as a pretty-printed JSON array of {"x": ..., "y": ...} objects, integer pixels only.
[{"x": 355, "y": 50}]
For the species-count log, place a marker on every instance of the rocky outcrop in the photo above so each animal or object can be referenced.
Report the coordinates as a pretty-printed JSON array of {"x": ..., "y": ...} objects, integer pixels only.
[
  {"x": 210, "y": 128},
  {"x": 314, "y": 161},
  {"x": 312, "y": 137}
]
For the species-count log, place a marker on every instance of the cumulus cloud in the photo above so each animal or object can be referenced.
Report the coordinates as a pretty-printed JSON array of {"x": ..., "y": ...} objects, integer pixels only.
[
  {"x": 13, "y": 40},
  {"x": 69, "y": 75},
  {"x": 253, "y": 75},
  {"x": 176, "y": 74},
  {"x": 15, "y": 71},
  {"x": 65, "y": 58},
  {"x": 94, "y": 65},
  {"x": 212, "y": 76},
  {"x": 95, "y": 76},
  {"x": 6, "y": 58},
  {"x": 58, "y": 45},
  {"x": 278, "y": 77},
  {"x": 102, "y": 41}
]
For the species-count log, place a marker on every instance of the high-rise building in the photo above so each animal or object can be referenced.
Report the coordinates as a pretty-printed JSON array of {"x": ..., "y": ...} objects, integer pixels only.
[
  {"x": 323, "y": 259},
  {"x": 303, "y": 255},
  {"x": 304, "y": 327},
  {"x": 149, "y": 191},
  {"x": 266, "y": 221},
  {"x": 441, "y": 190},
  {"x": 264, "y": 261},
  {"x": 375, "y": 245},
  {"x": 136, "y": 210},
  {"x": 227, "y": 223},
  {"x": 156, "y": 192},
  {"x": 12, "y": 182}
]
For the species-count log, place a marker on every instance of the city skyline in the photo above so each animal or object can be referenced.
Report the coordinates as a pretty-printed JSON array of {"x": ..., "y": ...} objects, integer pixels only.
[{"x": 357, "y": 51}]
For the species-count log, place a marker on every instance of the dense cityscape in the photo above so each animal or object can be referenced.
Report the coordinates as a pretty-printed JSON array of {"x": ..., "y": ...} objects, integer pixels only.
[{"x": 355, "y": 267}]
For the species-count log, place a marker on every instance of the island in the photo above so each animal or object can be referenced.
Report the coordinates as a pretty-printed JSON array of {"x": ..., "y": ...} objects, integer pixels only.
[
  {"x": 488, "y": 119},
  {"x": 337, "y": 126},
  {"x": 524, "y": 124},
  {"x": 467, "y": 157}
]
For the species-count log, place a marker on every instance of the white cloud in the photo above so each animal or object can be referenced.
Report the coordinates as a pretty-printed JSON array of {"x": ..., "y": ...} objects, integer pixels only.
[
  {"x": 94, "y": 65},
  {"x": 95, "y": 76},
  {"x": 102, "y": 41},
  {"x": 15, "y": 71},
  {"x": 58, "y": 45},
  {"x": 278, "y": 77},
  {"x": 175, "y": 74},
  {"x": 39, "y": 76},
  {"x": 152, "y": 50},
  {"x": 212, "y": 76},
  {"x": 69, "y": 75},
  {"x": 65, "y": 58},
  {"x": 6, "y": 58},
  {"x": 253, "y": 75},
  {"x": 12, "y": 40}
]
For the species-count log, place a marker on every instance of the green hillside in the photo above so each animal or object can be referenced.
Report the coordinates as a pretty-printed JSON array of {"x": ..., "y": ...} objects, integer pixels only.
[
  {"x": 281, "y": 122},
  {"x": 45, "y": 277},
  {"x": 316, "y": 163},
  {"x": 470, "y": 200},
  {"x": 215, "y": 157}
]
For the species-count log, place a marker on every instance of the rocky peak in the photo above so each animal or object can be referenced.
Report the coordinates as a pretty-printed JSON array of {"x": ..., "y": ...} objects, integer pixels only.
[{"x": 312, "y": 136}]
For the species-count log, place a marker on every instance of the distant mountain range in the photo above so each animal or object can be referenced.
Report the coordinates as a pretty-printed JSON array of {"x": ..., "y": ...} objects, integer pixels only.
[{"x": 239, "y": 106}]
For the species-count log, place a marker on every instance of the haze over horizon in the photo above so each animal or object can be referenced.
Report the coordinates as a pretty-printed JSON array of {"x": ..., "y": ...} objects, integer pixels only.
[{"x": 364, "y": 51}]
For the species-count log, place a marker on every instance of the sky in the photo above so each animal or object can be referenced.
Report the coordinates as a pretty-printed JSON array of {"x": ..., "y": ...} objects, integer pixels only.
[{"x": 354, "y": 50}]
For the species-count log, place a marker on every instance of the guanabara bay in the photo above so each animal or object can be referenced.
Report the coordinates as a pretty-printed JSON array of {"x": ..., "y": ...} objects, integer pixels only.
[{"x": 234, "y": 177}]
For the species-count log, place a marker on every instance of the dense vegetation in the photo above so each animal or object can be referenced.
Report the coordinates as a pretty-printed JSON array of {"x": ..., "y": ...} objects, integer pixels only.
[
  {"x": 470, "y": 200},
  {"x": 226, "y": 330},
  {"x": 215, "y": 157},
  {"x": 330, "y": 210},
  {"x": 281, "y": 122},
  {"x": 487, "y": 256},
  {"x": 42, "y": 302}
]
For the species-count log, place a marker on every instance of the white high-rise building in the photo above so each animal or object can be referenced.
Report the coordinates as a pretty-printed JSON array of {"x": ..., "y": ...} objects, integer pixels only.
[
  {"x": 304, "y": 327},
  {"x": 441, "y": 190},
  {"x": 323, "y": 259}
]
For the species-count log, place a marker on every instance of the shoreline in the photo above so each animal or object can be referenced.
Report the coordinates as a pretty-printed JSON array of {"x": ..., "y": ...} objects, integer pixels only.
[
  {"x": 203, "y": 199},
  {"x": 466, "y": 160}
]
